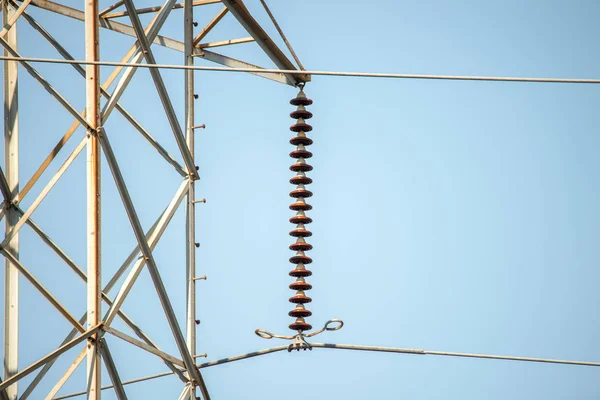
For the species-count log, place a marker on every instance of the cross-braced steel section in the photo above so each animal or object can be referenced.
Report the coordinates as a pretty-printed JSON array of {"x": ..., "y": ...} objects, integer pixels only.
[
  {"x": 89, "y": 332},
  {"x": 93, "y": 333}
]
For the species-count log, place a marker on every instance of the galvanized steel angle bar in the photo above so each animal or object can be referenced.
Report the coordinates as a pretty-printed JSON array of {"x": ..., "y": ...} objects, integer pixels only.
[
  {"x": 162, "y": 41},
  {"x": 159, "y": 353},
  {"x": 42, "y": 290},
  {"x": 162, "y": 90},
  {"x": 147, "y": 10},
  {"x": 152, "y": 32},
  {"x": 45, "y": 191},
  {"x": 141, "y": 261},
  {"x": 210, "y": 26},
  {"x": 152, "y": 267},
  {"x": 49, "y": 88},
  {"x": 113, "y": 374},
  {"x": 4, "y": 187},
  {"x": 153, "y": 236},
  {"x": 67, "y": 346},
  {"x": 65, "y": 377},
  {"x": 241, "y": 13},
  {"x": 66, "y": 55},
  {"x": 14, "y": 18}
]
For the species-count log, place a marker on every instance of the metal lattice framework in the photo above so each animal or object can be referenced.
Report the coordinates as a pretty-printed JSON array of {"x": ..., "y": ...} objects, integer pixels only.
[{"x": 89, "y": 331}]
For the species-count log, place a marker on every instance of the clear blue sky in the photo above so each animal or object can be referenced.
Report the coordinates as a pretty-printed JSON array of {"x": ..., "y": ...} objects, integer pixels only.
[{"x": 453, "y": 216}]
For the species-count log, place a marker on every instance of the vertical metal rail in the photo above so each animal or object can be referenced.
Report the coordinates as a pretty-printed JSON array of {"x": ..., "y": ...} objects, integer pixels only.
[
  {"x": 190, "y": 225},
  {"x": 11, "y": 166},
  {"x": 92, "y": 73}
]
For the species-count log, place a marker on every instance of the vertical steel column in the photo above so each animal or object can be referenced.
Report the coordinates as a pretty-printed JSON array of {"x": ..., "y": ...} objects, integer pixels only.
[
  {"x": 188, "y": 34},
  {"x": 92, "y": 75},
  {"x": 11, "y": 166}
]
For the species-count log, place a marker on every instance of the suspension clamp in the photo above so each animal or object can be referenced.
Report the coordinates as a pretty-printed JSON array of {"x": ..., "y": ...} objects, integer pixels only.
[{"x": 299, "y": 341}]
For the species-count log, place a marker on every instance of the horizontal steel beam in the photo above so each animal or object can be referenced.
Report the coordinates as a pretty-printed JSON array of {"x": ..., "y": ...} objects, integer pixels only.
[
  {"x": 221, "y": 43},
  {"x": 157, "y": 8},
  {"x": 161, "y": 41}
]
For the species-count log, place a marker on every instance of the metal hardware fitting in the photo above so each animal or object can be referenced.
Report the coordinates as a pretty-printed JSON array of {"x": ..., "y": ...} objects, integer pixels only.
[
  {"x": 200, "y": 278},
  {"x": 199, "y": 201},
  {"x": 203, "y": 126},
  {"x": 298, "y": 341}
]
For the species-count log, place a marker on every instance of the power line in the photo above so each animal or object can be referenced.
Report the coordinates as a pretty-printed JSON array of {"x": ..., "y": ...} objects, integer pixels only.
[
  {"x": 359, "y": 348},
  {"x": 316, "y": 73}
]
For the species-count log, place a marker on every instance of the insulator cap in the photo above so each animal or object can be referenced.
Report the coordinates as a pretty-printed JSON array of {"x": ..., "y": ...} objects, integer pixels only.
[
  {"x": 300, "y": 232},
  {"x": 303, "y": 140},
  {"x": 301, "y": 179},
  {"x": 301, "y": 100},
  {"x": 301, "y": 246},
  {"x": 300, "y": 258},
  {"x": 301, "y": 113},
  {"x": 301, "y": 153},
  {"x": 301, "y": 127},
  {"x": 300, "y": 285},
  {"x": 300, "y": 312},
  {"x": 300, "y": 205},
  {"x": 300, "y": 326},
  {"x": 300, "y": 219},
  {"x": 301, "y": 166},
  {"x": 300, "y": 298},
  {"x": 300, "y": 272},
  {"x": 300, "y": 192}
]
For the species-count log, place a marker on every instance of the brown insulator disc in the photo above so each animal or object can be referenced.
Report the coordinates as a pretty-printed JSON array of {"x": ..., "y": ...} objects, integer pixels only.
[
  {"x": 301, "y": 153},
  {"x": 298, "y": 285},
  {"x": 301, "y": 127},
  {"x": 296, "y": 140},
  {"x": 301, "y": 180},
  {"x": 301, "y": 113},
  {"x": 300, "y": 312},
  {"x": 301, "y": 167},
  {"x": 300, "y": 206},
  {"x": 300, "y": 193},
  {"x": 300, "y": 272},
  {"x": 300, "y": 259},
  {"x": 300, "y": 219},
  {"x": 300, "y": 232},
  {"x": 300, "y": 326},
  {"x": 301, "y": 100},
  {"x": 300, "y": 298},
  {"x": 301, "y": 246}
]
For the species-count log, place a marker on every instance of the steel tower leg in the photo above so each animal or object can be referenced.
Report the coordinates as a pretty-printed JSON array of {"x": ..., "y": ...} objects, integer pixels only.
[
  {"x": 11, "y": 166},
  {"x": 92, "y": 73},
  {"x": 188, "y": 34}
]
